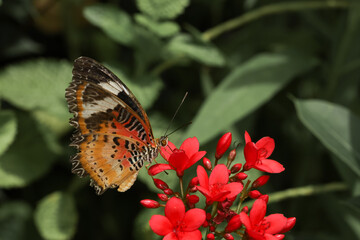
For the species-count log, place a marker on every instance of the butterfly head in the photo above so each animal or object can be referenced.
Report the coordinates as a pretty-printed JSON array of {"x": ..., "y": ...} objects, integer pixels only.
[{"x": 162, "y": 141}]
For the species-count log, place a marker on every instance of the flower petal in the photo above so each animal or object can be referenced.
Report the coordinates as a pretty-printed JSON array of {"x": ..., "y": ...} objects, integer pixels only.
[
  {"x": 167, "y": 151},
  {"x": 190, "y": 146},
  {"x": 193, "y": 219},
  {"x": 219, "y": 174},
  {"x": 247, "y": 137},
  {"x": 277, "y": 223},
  {"x": 203, "y": 177},
  {"x": 234, "y": 188},
  {"x": 195, "y": 157},
  {"x": 175, "y": 210},
  {"x": 245, "y": 220},
  {"x": 270, "y": 166},
  {"x": 267, "y": 146},
  {"x": 270, "y": 237},
  {"x": 178, "y": 160},
  {"x": 194, "y": 235},
  {"x": 204, "y": 191},
  {"x": 255, "y": 235},
  {"x": 171, "y": 236},
  {"x": 250, "y": 154},
  {"x": 157, "y": 168},
  {"x": 160, "y": 225},
  {"x": 257, "y": 212}
]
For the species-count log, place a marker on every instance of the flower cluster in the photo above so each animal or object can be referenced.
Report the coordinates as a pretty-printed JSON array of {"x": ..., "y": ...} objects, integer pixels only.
[{"x": 225, "y": 189}]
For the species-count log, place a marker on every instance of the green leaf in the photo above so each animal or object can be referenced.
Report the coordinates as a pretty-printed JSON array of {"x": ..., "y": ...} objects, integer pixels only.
[
  {"x": 8, "y": 126},
  {"x": 245, "y": 89},
  {"x": 56, "y": 216},
  {"x": 142, "y": 227},
  {"x": 202, "y": 52},
  {"x": 28, "y": 158},
  {"x": 162, "y": 29},
  {"x": 37, "y": 85},
  {"x": 115, "y": 23},
  {"x": 13, "y": 219},
  {"x": 335, "y": 126},
  {"x": 162, "y": 8}
]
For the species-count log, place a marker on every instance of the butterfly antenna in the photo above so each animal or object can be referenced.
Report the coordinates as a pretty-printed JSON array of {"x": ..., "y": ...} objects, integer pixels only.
[
  {"x": 184, "y": 125},
  {"x": 182, "y": 101}
]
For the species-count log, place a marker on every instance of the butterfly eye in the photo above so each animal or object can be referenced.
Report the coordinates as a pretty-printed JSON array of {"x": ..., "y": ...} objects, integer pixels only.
[{"x": 164, "y": 141}]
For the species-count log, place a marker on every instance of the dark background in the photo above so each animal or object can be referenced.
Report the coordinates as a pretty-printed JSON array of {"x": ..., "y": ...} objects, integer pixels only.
[{"x": 284, "y": 69}]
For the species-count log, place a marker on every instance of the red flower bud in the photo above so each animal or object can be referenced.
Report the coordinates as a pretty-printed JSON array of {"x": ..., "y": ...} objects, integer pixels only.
[
  {"x": 160, "y": 184},
  {"x": 245, "y": 209},
  {"x": 194, "y": 182},
  {"x": 236, "y": 168},
  {"x": 234, "y": 224},
  {"x": 148, "y": 203},
  {"x": 193, "y": 189},
  {"x": 168, "y": 192},
  {"x": 247, "y": 167},
  {"x": 212, "y": 228},
  {"x": 289, "y": 224},
  {"x": 208, "y": 216},
  {"x": 210, "y": 236},
  {"x": 279, "y": 236},
  {"x": 232, "y": 155},
  {"x": 192, "y": 199},
  {"x": 163, "y": 197},
  {"x": 223, "y": 145},
  {"x": 265, "y": 198},
  {"x": 205, "y": 224},
  {"x": 241, "y": 176},
  {"x": 228, "y": 236},
  {"x": 254, "y": 194},
  {"x": 262, "y": 180},
  {"x": 207, "y": 163}
]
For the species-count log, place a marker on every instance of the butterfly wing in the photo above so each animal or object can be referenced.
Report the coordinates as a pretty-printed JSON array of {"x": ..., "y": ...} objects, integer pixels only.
[{"x": 113, "y": 133}]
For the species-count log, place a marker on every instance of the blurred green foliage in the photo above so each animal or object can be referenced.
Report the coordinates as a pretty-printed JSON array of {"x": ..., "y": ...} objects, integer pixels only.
[{"x": 287, "y": 69}]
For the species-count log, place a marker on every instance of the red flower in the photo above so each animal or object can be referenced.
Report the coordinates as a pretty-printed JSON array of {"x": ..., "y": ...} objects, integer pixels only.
[
  {"x": 259, "y": 227},
  {"x": 256, "y": 155},
  {"x": 217, "y": 188},
  {"x": 178, "y": 224},
  {"x": 179, "y": 159}
]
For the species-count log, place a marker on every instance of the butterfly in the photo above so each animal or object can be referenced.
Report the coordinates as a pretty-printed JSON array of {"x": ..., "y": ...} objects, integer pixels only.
[{"x": 113, "y": 134}]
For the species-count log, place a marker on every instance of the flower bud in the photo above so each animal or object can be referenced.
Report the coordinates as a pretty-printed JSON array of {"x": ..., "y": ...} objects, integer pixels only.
[
  {"x": 241, "y": 176},
  {"x": 279, "y": 236},
  {"x": 236, "y": 168},
  {"x": 234, "y": 224},
  {"x": 245, "y": 209},
  {"x": 228, "y": 236},
  {"x": 205, "y": 224},
  {"x": 232, "y": 155},
  {"x": 148, "y": 203},
  {"x": 223, "y": 144},
  {"x": 210, "y": 236},
  {"x": 207, "y": 163},
  {"x": 289, "y": 224},
  {"x": 193, "y": 189},
  {"x": 194, "y": 182},
  {"x": 208, "y": 216},
  {"x": 168, "y": 192},
  {"x": 254, "y": 194},
  {"x": 160, "y": 184},
  {"x": 262, "y": 180},
  {"x": 192, "y": 199},
  {"x": 163, "y": 197},
  {"x": 212, "y": 228},
  {"x": 265, "y": 198}
]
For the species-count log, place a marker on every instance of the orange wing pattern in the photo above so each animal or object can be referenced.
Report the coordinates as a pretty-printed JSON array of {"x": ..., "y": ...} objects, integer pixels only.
[{"x": 113, "y": 133}]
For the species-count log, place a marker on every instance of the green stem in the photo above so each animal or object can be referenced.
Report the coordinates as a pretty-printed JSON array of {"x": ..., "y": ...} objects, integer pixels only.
[
  {"x": 181, "y": 187},
  {"x": 167, "y": 64},
  {"x": 214, "y": 209},
  {"x": 242, "y": 196},
  {"x": 268, "y": 10},
  {"x": 305, "y": 191}
]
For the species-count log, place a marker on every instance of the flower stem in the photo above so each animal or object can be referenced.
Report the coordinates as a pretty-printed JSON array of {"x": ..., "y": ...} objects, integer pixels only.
[
  {"x": 181, "y": 187},
  {"x": 282, "y": 7},
  {"x": 305, "y": 191},
  {"x": 214, "y": 209},
  {"x": 243, "y": 196}
]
